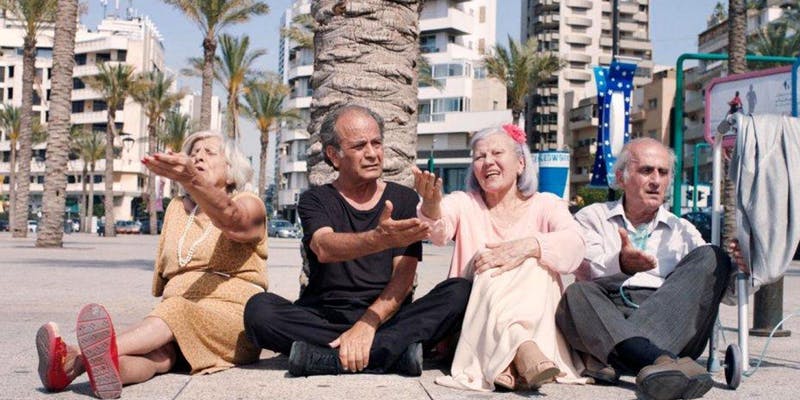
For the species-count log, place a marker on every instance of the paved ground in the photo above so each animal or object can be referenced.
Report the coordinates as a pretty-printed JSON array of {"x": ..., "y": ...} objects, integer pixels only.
[{"x": 41, "y": 285}]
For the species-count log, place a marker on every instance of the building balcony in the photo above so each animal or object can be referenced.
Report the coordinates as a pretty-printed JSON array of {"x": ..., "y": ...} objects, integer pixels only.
[
  {"x": 89, "y": 69},
  {"x": 454, "y": 21},
  {"x": 583, "y": 123},
  {"x": 101, "y": 44},
  {"x": 299, "y": 102},
  {"x": 578, "y": 21},
  {"x": 95, "y": 117},
  {"x": 291, "y": 135},
  {"x": 643, "y": 45},
  {"x": 578, "y": 57},
  {"x": 289, "y": 165},
  {"x": 461, "y": 121},
  {"x": 85, "y": 94},
  {"x": 577, "y": 38},
  {"x": 579, "y": 4},
  {"x": 577, "y": 75},
  {"x": 300, "y": 71}
]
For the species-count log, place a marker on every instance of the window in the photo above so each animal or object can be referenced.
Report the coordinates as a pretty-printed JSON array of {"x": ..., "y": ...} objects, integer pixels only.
[
  {"x": 37, "y": 101},
  {"x": 10, "y": 93},
  {"x": 99, "y": 105},
  {"x": 77, "y": 83},
  {"x": 122, "y": 55},
  {"x": 2, "y": 73},
  {"x": 480, "y": 72},
  {"x": 80, "y": 59},
  {"x": 44, "y": 52},
  {"x": 652, "y": 103},
  {"x": 102, "y": 57},
  {"x": 482, "y": 14},
  {"x": 481, "y": 46},
  {"x": 78, "y": 106},
  {"x": 10, "y": 71},
  {"x": 427, "y": 44}
]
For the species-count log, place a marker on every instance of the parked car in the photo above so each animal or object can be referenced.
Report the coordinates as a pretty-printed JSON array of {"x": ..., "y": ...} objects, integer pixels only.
[
  {"x": 131, "y": 227},
  {"x": 33, "y": 226},
  {"x": 283, "y": 229},
  {"x": 144, "y": 226}
]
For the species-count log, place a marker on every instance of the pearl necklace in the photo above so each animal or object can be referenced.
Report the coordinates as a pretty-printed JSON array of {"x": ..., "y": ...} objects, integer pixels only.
[{"x": 183, "y": 261}]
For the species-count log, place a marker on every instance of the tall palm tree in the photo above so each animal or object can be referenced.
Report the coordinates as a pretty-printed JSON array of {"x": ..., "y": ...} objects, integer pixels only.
[
  {"x": 33, "y": 14},
  {"x": 51, "y": 228},
  {"x": 737, "y": 50},
  {"x": 235, "y": 64},
  {"x": 90, "y": 146},
  {"x": 175, "y": 129},
  {"x": 520, "y": 67},
  {"x": 211, "y": 16},
  {"x": 263, "y": 104},
  {"x": 775, "y": 39},
  {"x": 156, "y": 98},
  {"x": 355, "y": 66},
  {"x": 10, "y": 123},
  {"x": 115, "y": 82}
]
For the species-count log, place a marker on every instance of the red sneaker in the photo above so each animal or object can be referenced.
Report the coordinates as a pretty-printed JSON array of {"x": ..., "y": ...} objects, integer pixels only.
[
  {"x": 98, "y": 344},
  {"x": 52, "y": 356}
]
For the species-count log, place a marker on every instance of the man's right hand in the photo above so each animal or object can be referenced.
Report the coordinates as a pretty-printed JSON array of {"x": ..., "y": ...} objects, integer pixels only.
[
  {"x": 631, "y": 259},
  {"x": 399, "y": 233}
]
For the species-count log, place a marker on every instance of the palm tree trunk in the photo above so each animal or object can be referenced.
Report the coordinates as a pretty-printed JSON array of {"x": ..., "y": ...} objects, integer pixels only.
[
  {"x": 262, "y": 165},
  {"x": 515, "y": 114},
  {"x": 230, "y": 124},
  {"x": 209, "y": 49},
  {"x": 365, "y": 54},
  {"x": 84, "y": 197},
  {"x": 90, "y": 207},
  {"x": 22, "y": 192},
  {"x": 51, "y": 229},
  {"x": 108, "y": 200},
  {"x": 12, "y": 179},
  {"x": 151, "y": 178},
  {"x": 737, "y": 23}
]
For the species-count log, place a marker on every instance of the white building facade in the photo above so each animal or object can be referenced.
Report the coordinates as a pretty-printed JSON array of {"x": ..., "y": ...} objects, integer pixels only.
[
  {"x": 454, "y": 34},
  {"x": 133, "y": 41}
]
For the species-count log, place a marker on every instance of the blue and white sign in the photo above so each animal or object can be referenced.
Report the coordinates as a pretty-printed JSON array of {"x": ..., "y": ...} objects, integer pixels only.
[
  {"x": 614, "y": 87},
  {"x": 554, "y": 172}
]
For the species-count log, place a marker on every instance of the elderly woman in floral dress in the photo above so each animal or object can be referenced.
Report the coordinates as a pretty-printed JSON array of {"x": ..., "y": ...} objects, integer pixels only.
[
  {"x": 513, "y": 242},
  {"x": 211, "y": 258}
]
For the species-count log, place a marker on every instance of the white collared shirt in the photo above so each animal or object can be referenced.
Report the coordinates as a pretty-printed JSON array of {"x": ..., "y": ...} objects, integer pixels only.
[{"x": 669, "y": 240}]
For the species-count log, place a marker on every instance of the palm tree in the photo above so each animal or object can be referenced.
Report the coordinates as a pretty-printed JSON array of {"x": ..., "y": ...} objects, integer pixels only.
[
  {"x": 10, "y": 123},
  {"x": 211, "y": 16},
  {"x": 235, "y": 64},
  {"x": 355, "y": 66},
  {"x": 737, "y": 51},
  {"x": 90, "y": 146},
  {"x": 175, "y": 129},
  {"x": 156, "y": 98},
  {"x": 115, "y": 82},
  {"x": 51, "y": 229},
  {"x": 33, "y": 14},
  {"x": 264, "y": 105},
  {"x": 775, "y": 39},
  {"x": 520, "y": 68}
]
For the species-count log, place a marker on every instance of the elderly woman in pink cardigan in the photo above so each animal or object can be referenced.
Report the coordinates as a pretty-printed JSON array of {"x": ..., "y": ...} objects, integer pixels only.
[{"x": 514, "y": 243}]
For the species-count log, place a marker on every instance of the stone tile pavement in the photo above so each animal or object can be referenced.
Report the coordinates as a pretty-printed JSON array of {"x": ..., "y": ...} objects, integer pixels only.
[{"x": 39, "y": 285}]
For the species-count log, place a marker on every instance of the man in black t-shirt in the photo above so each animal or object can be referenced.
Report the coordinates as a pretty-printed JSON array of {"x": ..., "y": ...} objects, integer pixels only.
[{"x": 362, "y": 239}]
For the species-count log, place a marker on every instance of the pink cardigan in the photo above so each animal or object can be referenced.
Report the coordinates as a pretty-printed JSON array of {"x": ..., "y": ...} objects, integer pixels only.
[{"x": 465, "y": 219}]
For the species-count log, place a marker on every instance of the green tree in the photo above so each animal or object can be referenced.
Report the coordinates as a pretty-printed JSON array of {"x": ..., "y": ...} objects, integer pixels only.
[
  {"x": 263, "y": 104},
  {"x": 156, "y": 97},
  {"x": 211, "y": 16},
  {"x": 235, "y": 65},
  {"x": 775, "y": 39},
  {"x": 34, "y": 14},
  {"x": 10, "y": 123},
  {"x": 90, "y": 146},
  {"x": 175, "y": 129},
  {"x": 51, "y": 227},
  {"x": 521, "y": 68},
  {"x": 115, "y": 82}
]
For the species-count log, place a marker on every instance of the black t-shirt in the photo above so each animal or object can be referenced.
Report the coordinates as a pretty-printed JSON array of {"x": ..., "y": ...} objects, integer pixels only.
[{"x": 353, "y": 285}]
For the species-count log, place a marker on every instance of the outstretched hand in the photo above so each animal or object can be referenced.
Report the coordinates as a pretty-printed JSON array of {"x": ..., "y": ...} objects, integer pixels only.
[
  {"x": 175, "y": 166},
  {"x": 400, "y": 232},
  {"x": 429, "y": 187},
  {"x": 631, "y": 259}
]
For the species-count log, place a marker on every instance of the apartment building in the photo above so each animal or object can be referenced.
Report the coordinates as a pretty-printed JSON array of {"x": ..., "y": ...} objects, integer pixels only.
[
  {"x": 454, "y": 34},
  {"x": 580, "y": 32},
  {"x": 191, "y": 104},
  {"x": 132, "y": 40}
]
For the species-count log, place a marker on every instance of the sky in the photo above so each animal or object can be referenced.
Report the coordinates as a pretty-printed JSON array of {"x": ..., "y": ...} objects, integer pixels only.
[{"x": 674, "y": 27}]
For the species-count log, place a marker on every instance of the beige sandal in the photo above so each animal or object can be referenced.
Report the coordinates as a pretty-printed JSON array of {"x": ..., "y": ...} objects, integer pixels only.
[
  {"x": 534, "y": 368},
  {"x": 506, "y": 381}
]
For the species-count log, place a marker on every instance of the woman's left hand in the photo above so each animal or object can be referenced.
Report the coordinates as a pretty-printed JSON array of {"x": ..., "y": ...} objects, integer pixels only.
[{"x": 505, "y": 256}]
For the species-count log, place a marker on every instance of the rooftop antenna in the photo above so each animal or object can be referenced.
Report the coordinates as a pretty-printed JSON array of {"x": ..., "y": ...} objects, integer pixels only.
[{"x": 105, "y": 7}]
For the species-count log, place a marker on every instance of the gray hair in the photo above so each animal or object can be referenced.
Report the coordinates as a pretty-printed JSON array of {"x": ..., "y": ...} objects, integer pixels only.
[
  {"x": 624, "y": 158},
  {"x": 328, "y": 136},
  {"x": 239, "y": 169},
  {"x": 527, "y": 182}
]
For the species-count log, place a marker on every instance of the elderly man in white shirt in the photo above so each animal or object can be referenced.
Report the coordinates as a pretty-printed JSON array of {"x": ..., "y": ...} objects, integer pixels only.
[{"x": 648, "y": 291}]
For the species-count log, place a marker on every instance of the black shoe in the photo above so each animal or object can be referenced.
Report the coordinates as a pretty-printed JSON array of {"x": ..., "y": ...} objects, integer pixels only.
[
  {"x": 410, "y": 362},
  {"x": 306, "y": 359},
  {"x": 669, "y": 379}
]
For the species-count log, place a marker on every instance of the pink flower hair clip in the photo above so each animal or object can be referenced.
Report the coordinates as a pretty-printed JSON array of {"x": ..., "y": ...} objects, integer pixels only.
[{"x": 515, "y": 132}]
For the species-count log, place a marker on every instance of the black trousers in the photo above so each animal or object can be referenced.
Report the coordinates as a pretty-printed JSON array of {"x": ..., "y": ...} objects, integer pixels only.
[
  {"x": 677, "y": 317},
  {"x": 274, "y": 323}
]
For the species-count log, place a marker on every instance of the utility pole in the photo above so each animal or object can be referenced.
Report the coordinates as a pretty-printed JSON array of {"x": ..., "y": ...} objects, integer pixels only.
[{"x": 612, "y": 195}]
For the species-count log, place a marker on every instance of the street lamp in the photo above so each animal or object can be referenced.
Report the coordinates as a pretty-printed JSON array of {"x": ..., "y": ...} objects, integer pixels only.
[{"x": 127, "y": 141}]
